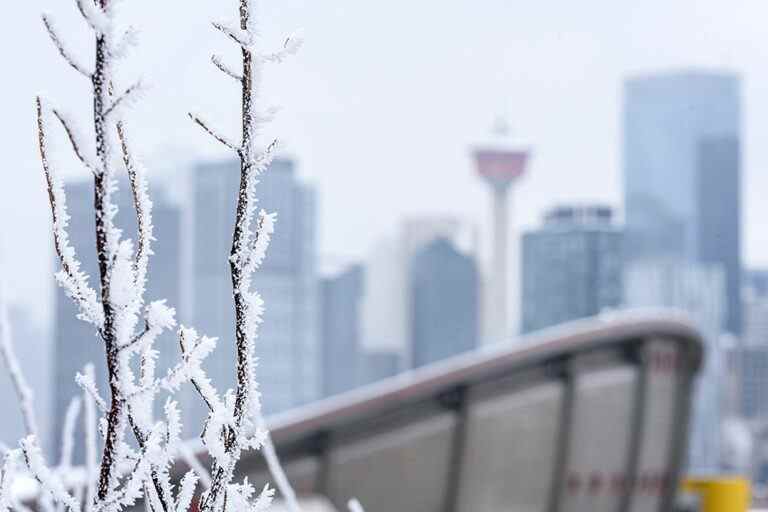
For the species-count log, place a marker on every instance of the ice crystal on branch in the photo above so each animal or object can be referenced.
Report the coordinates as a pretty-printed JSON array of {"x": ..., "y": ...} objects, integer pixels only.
[{"x": 130, "y": 447}]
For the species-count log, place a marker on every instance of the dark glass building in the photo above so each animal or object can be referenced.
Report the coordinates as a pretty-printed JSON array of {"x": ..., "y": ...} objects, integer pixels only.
[
  {"x": 682, "y": 173},
  {"x": 340, "y": 298},
  {"x": 444, "y": 302},
  {"x": 571, "y": 267}
]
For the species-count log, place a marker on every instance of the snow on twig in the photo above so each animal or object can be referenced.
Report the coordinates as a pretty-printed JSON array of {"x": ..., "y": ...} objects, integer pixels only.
[
  {"x": 90, "y": 425},
  {"x": 38, "y": 468},
  {"x": 68, "y": 433},
  {"x": 142, "y": 206},
  {"x": 74, "y": 281},
  {"x": 242, "y": 37},
  {"x": 121, "y": 48},
  {"x": 96, "y": 18},
  {"x": 50, "y": 27},
  {"x": 276, "y": 468},
  {"x": 87, "y": 384},
  {"x": 10, "y": 463},
  {"x": 126, "y": 100},
  {"x": 11, "y": 362},
  {"x": 291, "y": 47},
  {"x": 76, "y": 140},
  {"x": 213, "y": 133},
  {"x": 194, "y": 464},
  {"x": 186, "y": 492},
  {"x": 224, "y": 68}
]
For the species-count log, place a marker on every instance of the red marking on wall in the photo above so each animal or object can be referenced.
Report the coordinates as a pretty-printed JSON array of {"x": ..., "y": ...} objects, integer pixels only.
[{"x": 596, "y": 483}]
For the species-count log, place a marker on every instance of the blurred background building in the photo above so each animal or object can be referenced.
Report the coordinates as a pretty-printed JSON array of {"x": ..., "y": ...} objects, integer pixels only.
[
  {"x": 572, "y": 266},
  {"x": 289, "y": 340},
  {"x": 444, "y": 297},
  {"x": 340, "y": 300},
  {"x": 697, "y": 290},
  {"x": 682, "y": 173}
]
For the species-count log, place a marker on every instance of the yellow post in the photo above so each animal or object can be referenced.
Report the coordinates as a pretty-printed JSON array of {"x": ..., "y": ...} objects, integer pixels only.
[{"x": 720, "y": 494}]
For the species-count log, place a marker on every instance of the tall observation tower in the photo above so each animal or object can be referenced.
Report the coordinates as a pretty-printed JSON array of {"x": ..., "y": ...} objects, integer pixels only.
[{"x": 500, "y": 164}]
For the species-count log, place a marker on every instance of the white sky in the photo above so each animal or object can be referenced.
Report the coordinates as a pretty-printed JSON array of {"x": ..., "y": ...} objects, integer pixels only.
[{"x": 385, "y": 98}]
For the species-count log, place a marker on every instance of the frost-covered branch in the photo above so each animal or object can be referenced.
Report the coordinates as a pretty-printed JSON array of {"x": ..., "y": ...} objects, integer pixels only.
[
  {"x": 121, "y": 475},
  {"x": 74, "y": 281},
  {"x": 225, "y": 435},
  {"x": 213, "y": 133},
  {"x": 276, "y": 469},
  {"x": 142, "y": 205},
  {"x": 192, "y": 461},
  {"x": 76, "y": 140},
  {"x": 129, "y": 39},
  {"x": 239, "y": 35},
  {"x": 291, "y": 47},
  {"x": 50, "y": 27},
  {"x": 7, "y": 474},
  {"x": 89, "y": 424},
  {"x": 95, "y": 15},
  {"x": 35, "y": 461},
  {"x": 127, "y": 99},
  {"x": 68, "y": 433},
  {"x": 224, "y": 68},
  {"x": 88, "y": 385},
  {"x": 11, "y": 362}
]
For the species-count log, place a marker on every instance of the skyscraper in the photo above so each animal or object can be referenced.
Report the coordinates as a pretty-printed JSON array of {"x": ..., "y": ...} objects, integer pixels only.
[
  {"x": 444, "y": 302},
  {"x": 749, "y": 359},
  {"x": 697, "y": 289},
  {"x": 287, "y": 347},
  {"x": 340, "y": 299},
  {"x": 572, "y": 267},
  {"x": 682, "y": 173},
  {"x": 75, "y": 342},
  {"x": 386, "y": 309}
]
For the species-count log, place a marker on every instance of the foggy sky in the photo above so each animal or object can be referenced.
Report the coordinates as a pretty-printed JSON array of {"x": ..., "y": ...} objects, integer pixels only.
[{"x": 384, "y": 100}]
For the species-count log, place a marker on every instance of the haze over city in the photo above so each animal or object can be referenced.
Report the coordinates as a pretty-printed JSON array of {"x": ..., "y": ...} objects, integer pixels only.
[
  {"x": 462, "y": 256},
  {"x": 382, "y": 105}
]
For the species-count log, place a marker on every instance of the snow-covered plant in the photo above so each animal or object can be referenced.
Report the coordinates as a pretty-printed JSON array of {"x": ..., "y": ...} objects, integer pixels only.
[
  {"x": 118, "y": 470},
  {"x": 237, "y": 418}
]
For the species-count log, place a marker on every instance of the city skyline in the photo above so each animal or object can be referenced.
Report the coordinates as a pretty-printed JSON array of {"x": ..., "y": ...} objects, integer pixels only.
[
  {"x": 337, "y": 312},
  {"x": 571, "y": 116}
]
